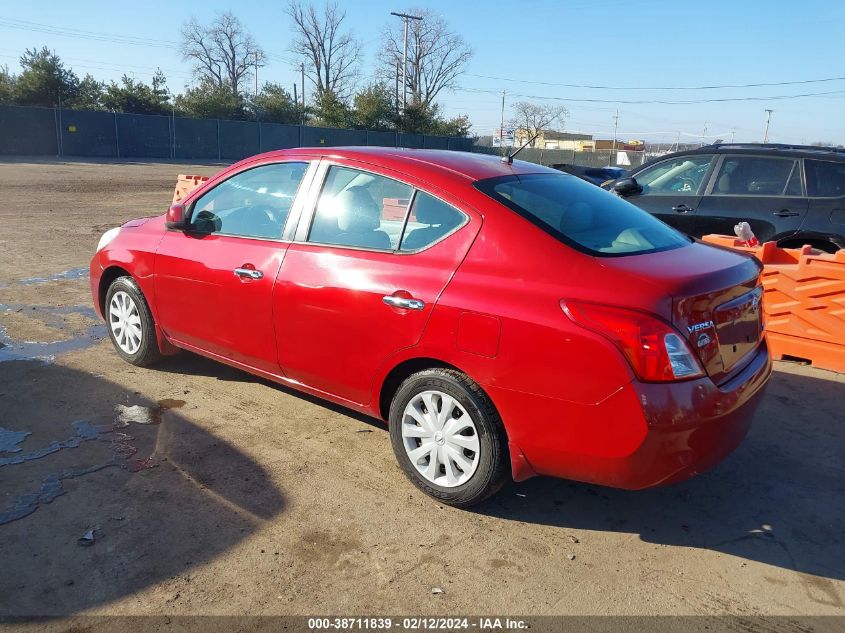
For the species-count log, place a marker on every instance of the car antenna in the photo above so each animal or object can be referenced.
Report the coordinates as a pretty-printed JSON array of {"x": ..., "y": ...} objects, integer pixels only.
[{"x": 509, "y": 157}]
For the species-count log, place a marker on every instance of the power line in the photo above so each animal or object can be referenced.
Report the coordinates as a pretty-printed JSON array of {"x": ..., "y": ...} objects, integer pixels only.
[
  {"x": 659, "y": 101},
  {"x": 90, "y": 35},
  {"x": 714, "y": 87}
]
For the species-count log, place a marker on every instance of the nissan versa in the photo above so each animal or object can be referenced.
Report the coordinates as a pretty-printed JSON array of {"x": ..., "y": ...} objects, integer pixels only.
[{"x": 503, "y": 318}]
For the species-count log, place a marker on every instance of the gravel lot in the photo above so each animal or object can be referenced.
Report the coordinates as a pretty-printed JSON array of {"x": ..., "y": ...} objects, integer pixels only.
[{"x": 212, "y": 492}]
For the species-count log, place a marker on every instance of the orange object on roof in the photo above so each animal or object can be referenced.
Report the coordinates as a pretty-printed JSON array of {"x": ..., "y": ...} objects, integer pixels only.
[
  {"x": 803, "y": 301},
  {"x": 185, "y": 185}
]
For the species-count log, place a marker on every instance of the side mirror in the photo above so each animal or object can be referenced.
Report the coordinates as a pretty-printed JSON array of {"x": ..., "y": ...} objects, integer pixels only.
[
  {"x": 175, "y": 217},
  {"x": 627, "y": 187}
]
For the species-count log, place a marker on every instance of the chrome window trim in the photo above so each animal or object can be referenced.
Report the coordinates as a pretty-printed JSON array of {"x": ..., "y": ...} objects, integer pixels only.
[{"x": 310, "y": 207}]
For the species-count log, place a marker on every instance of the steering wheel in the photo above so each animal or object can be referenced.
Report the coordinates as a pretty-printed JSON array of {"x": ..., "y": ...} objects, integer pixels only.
[{"x": 687, "y": 185}]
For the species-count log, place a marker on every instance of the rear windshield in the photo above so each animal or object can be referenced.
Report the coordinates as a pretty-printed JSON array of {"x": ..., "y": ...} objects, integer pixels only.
[{"x": 583, "y": 215}]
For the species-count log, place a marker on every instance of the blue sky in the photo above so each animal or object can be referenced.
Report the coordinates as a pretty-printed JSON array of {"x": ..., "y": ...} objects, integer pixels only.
[{"x": 619, "y": 43}]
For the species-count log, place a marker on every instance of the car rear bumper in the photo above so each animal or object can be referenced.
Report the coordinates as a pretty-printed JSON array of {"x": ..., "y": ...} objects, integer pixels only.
[{"x": 650, "y": 433}]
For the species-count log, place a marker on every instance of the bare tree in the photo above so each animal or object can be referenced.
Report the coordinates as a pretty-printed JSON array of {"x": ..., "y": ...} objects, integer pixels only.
[
  {"x": 330, "y": 55},
  {"x": 436, "y": 55},
  {"x": 224, "y": 53},
  {"x": 533, "y": 118}
]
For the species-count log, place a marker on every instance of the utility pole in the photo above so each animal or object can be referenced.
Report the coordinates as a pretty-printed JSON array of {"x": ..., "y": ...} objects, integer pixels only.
[
  {"x": 256, "y": 74},
  {"x": 615, "y": 130},
  {"x": 405, "y": 17},
  {"x": 302, "y": 90},
  {"x": 502, "y": 126},
  {"x": 704, "y": 134},
  {"x": 768, "y": 120},
  {"x": 733, "y": 134},
  {"x": 677, "y": 141},
  {"x": 397, "y": 88}
]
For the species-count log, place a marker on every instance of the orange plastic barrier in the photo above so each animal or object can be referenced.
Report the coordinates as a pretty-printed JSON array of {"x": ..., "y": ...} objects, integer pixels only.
[
  {"x": 185, "y": 185},
  {"x": 803, "y": 301}
]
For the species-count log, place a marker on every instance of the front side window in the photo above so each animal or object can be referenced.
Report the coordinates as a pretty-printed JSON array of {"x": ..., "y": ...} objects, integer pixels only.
[
  {"x": 757, "y": 176},
  {"x": 360, "y": 209},
  {"x": 681, "y": 175},
  {"x": 825, "y": 179},
  {"x": 582, "y": 215},
  {"x": 253, "y": 203}
]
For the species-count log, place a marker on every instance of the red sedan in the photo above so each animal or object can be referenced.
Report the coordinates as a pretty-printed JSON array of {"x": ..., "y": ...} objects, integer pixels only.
[{"x": 504, "y": 319}]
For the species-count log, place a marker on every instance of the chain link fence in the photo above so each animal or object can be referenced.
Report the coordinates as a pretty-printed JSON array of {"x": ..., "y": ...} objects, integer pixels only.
[{"x": 32, "y": 131}]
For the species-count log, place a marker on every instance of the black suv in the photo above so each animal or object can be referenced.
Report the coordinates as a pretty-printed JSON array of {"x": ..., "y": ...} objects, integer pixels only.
[{"x": 791, "y": 194}]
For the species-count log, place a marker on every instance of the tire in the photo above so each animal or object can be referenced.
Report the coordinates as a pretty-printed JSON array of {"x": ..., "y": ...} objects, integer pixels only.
[
  {"x": 820, "y": 245},
  {"x": 461, "y": 476},
  {"x": 136, "y": 344}
]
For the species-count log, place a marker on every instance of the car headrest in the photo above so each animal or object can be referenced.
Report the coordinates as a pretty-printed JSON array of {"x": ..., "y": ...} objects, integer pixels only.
[
  {"x": 358, "y": 210},
  {"x": 431, "y": 211}
]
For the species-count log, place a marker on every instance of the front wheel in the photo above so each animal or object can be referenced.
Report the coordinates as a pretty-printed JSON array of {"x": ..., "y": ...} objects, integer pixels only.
[
  {"x": 130, "y": 323},
  {"x": 448, "y": 437}
]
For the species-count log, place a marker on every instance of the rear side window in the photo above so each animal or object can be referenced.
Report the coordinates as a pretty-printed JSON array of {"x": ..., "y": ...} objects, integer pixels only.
[
  {"x": 429, "y": 222},
  {"x": 825, "y": 179},
  {"x": 582, "y": 215},
  {"x": 756, "y": 176}
]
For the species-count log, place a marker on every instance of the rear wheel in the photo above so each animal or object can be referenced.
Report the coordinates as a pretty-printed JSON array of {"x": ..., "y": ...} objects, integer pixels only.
[
  {"x": 821, "y": 245},
  {"x": 130, "y": 323},
  {"x": 448, "y": 437}
]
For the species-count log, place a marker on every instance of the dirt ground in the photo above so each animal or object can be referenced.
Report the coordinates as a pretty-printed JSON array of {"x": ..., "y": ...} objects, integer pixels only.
[{"x": 212, "y": 492}]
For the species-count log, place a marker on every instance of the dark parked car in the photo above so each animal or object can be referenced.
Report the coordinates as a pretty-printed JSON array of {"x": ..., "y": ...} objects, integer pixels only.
[
  {"x": 594, "y": 175},
  {"x": 791, "y": 194}
]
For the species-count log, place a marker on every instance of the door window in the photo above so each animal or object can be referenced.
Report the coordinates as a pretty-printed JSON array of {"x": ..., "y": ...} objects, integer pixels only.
[
  {"x": 825, "y": 179},
  {"x": 360, "y": 209},
  {"x": 681, "y": 175},
  {"x": 430, "y": 221},
  {"x": 755, "y": 176},
  {"x": 253, "y": 203}
]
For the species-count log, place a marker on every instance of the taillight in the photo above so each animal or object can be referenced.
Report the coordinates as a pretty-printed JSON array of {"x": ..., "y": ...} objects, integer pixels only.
[{"x": 655, "y": 350}]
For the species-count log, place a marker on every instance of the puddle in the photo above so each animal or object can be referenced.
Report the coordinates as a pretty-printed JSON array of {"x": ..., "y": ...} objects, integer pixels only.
[
  {"x": 84, "y": 432},
  {"x": 52, "y": 317},
  {"x": 139, "y": 414},
  {"x": 73, "y": 273},
  {"x": 10, "y": 440},
  {"x": 123, "y": 452}
]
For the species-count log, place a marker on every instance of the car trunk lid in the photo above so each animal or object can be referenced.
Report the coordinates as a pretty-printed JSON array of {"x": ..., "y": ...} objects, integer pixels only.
[{"x": 716, "y": 301}]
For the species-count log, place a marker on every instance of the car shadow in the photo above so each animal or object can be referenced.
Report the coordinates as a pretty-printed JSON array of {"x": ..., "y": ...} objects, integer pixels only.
[
  {"x": 196, "y": 365},
  {"x": 778, "y": 499},
  {"x": 155, "y": 494}
]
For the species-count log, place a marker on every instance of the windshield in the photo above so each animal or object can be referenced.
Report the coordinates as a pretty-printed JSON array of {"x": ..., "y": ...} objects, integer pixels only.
[{"x": 582, "y": 215}]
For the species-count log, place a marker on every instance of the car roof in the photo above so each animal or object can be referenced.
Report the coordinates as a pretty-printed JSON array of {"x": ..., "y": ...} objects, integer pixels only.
[
  {"x": 469, "y": 165},
  {"x": 769, "y": 149}
]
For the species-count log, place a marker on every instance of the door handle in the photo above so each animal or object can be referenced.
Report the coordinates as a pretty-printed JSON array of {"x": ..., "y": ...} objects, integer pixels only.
[
  {"x": 785, "y": 213},
  {"x": 682, "y": 208},
  {"x": 402, "y": 302},
  {"x": 248, "y": 273}
]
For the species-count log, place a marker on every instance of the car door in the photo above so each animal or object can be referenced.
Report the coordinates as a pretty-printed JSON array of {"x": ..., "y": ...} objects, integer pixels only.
[
  {"x": 214, "y": 281},
  {"x": 361, "y": 279},
  {"x": 765, "y": 191},
  {"x": 672, "y": 188},
  {"x": 826, "y": 191}
]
